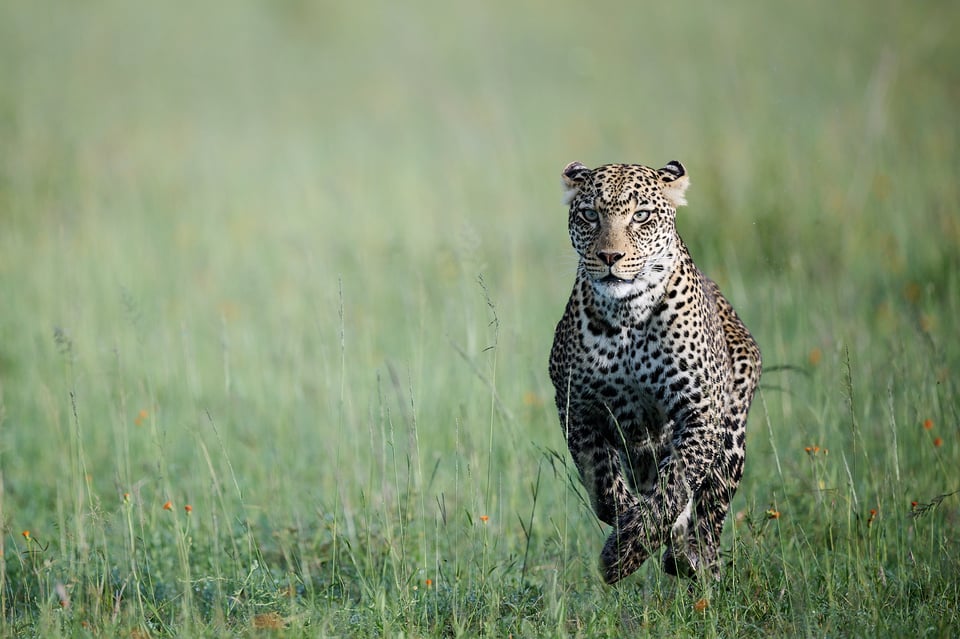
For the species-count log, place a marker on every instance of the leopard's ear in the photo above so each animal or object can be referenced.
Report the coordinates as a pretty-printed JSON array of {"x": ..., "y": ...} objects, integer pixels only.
[
  {"x": 573, "y": 176},
  {"x": 675, "y": 181}
]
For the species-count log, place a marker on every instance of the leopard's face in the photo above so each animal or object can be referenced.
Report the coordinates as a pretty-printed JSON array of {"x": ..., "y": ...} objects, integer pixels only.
[{"x": 622, "y": 223}]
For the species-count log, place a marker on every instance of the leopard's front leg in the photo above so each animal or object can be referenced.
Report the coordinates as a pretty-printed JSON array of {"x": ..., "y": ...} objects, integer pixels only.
[
  {"x": 600, "y": 468},
  {"x": 646, "y": 526}
]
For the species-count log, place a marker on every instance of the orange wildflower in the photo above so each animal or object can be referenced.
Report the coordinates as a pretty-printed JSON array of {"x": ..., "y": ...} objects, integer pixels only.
[
  {"x": 815, "y": 356},
  {"x": 26, "y": 535},
  {"x": 141, "y": 416},
  {"x": 873, "y": 515},
  {"x": 168, "y": 506},
  {"x": 928, "y": 424},
  {"x": 188, "y": 508},
  {"x": 484, "y": 518},
  {"x": 938, "y": 442},
  {"x": 701, "y": 605},
  {"x": 773, "y": 514},
  {"x": 429, "y": 583}
]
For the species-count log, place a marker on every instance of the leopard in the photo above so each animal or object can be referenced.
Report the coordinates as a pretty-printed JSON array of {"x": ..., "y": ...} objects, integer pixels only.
[{"x": 654, "y": 374}]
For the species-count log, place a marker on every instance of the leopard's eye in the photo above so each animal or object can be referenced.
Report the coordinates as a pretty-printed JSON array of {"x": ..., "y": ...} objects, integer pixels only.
[
  {"x": 589, "y": 215},
  {"x": 642, "y": 215}
]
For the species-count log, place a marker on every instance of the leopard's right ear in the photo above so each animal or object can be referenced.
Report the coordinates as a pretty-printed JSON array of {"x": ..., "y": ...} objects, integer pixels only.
[{"x": 573, "y": 176}]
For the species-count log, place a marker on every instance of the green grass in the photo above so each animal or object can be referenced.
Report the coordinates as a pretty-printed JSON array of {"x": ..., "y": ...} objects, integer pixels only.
[{"x": 298, "y": 266}]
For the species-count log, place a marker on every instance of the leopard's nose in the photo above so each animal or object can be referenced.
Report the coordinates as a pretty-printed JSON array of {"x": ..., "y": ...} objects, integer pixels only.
[{"x": 610, "y": 257}]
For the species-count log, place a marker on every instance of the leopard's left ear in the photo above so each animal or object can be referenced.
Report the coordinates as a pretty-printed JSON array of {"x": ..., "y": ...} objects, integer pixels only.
[{"x": 675, "y": 181}]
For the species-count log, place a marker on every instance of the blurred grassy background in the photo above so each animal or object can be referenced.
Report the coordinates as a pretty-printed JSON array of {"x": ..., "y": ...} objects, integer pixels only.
[{"x": 245, "y": 238}]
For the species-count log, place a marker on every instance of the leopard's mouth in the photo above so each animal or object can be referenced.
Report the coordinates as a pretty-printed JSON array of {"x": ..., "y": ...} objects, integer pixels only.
[
  {"x": 610, "y": 278},
  {"x": 613, "y": 278}
]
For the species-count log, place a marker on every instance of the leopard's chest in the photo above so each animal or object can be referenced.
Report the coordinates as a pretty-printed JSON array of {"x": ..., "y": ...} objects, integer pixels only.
[
  {"x": 620, "y": 373},
  {"x": 641, "y": 363}
]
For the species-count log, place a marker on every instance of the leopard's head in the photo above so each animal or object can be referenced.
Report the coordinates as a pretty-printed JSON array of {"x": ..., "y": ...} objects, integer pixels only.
[{"x": 622, "y": 223}]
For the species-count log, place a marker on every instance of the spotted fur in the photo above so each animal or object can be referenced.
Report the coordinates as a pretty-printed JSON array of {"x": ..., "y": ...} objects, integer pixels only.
[{"x": 653, "y": 370}]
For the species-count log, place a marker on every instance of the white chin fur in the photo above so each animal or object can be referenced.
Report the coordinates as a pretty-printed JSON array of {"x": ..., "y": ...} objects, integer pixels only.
[{"x": 615, "y": 290}]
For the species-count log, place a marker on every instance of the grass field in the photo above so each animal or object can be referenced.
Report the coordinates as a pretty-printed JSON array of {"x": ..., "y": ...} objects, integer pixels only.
[{"x": 279, "y": 281}]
